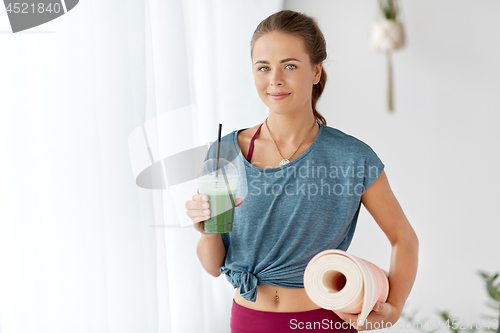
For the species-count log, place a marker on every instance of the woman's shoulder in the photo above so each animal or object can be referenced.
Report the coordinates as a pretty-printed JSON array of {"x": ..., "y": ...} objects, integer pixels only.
[
  {"x": 334, "y": 137},
  {"x": 244, "y": 136},
  {"x": 247, "y": 133}
]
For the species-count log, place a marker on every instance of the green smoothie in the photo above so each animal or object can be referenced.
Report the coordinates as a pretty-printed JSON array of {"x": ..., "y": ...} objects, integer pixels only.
[{"x": 221, "y": 196}]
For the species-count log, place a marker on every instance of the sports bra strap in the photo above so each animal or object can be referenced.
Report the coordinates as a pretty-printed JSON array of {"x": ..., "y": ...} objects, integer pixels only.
[{"x": 250, "y": 151}]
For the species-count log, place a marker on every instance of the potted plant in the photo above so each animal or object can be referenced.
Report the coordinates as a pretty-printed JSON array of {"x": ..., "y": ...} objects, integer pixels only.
[{"x": 387, "y": 33}]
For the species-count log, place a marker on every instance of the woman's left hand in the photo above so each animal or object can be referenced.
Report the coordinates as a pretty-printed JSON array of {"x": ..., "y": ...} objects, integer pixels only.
[{"x": 383, "y": 315}]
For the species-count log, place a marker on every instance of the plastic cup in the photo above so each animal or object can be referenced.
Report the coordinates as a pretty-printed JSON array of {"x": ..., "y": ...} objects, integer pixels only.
[{"x": 221, "y": 189}]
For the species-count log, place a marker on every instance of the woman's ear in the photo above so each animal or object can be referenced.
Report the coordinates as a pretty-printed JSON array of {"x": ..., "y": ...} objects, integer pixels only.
[{"x": 317, "y": 72}]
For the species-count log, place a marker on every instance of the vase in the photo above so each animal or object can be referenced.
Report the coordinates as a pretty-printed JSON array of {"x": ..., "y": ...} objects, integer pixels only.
[{"x": 387, "y": 35}]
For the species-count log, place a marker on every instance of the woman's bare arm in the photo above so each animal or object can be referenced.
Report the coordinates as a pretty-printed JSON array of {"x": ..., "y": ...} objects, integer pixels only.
[
  {"x": 381, "y": 203},
  {"x": 211, "y": 252},
  {"x": 210, "y": 248}
]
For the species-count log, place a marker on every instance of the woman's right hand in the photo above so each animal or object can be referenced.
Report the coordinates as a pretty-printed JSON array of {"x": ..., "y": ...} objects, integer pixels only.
[{"x": 198, "y": 210}]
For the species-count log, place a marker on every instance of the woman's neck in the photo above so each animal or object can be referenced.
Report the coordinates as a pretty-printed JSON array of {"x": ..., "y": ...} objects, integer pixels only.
[{"x": 290, "y": 129}]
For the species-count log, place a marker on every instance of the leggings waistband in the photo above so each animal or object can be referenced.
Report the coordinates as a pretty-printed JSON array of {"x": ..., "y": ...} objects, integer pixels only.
[{"x": 245, "y": 320}]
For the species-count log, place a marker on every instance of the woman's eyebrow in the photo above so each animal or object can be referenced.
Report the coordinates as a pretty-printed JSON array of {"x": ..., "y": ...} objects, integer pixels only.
[{"x": 267, "y": 62}]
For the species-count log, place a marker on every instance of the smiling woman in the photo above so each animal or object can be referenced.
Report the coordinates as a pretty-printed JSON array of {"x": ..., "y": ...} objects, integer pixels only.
[
  {"x": 289, "y": 215},
  {"x": 302, "y": 42},
  {"x": 301, "y": 76}
]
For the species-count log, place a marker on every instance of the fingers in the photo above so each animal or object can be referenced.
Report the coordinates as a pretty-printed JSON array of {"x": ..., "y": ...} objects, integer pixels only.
[
  {"x": 200, "y": 199},
  {"x": 199, "y": 202},
  {"x": 198, "y": 208},
  {"x": 198, "y": 215}
]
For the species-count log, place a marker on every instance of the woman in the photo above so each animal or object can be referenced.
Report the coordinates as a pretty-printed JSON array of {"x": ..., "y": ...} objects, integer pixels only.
[{"x": 306, "y": 184}]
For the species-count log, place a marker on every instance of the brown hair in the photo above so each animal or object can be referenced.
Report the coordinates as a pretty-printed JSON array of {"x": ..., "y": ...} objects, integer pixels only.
[{"x": 305, "y": 27}]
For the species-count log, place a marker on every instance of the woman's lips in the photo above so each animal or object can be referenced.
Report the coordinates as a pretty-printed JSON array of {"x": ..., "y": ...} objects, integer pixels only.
[{"x": 280, "y": 96}]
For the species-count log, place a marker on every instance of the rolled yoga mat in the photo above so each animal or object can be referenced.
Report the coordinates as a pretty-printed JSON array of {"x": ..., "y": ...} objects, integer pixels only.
[{"x": 337, "y": 280}]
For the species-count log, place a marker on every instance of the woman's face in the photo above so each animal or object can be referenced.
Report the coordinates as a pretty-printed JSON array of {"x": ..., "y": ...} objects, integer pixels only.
[{"x": 281, "y": 65}]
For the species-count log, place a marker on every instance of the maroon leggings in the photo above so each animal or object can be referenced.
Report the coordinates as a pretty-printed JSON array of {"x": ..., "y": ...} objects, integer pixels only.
[{"x": 245, "y": 320}]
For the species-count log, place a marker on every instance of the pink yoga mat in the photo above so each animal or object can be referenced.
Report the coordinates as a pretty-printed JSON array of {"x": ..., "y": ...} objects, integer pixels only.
[{"x": 337, "y": 280}]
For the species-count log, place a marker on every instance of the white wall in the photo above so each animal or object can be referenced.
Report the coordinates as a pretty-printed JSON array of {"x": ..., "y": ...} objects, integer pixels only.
[{"x": 440, "y": 147}]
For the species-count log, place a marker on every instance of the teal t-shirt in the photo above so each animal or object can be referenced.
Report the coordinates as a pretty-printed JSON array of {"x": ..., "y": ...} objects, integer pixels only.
[{"x": 292, "y": 212}]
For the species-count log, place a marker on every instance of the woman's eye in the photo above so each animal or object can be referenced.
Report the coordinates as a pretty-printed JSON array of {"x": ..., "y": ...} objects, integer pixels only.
[{"x": 266, "y": 69}]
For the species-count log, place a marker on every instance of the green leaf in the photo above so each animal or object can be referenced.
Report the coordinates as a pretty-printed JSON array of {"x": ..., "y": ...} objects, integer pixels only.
[
  {"x": 492, "y": 289},
  {"x": 445, "y": 316},
  {"x": 483, "y": 274},
  {"x": 388, "y": 9},
  {"x": 492, "y": 292}
]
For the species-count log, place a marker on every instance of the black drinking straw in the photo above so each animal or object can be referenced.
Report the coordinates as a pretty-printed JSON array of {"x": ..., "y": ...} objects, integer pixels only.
[
  {"x": 218, "y": 152},
  {"x": 222, "y": 169}
]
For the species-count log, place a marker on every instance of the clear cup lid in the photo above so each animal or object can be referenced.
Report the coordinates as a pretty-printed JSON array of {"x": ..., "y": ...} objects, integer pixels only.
[{"x": 211, "y": 169}]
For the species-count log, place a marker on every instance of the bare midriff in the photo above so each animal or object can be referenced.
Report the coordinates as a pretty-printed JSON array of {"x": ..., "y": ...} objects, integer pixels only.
[{"x": 277, "y": 299}]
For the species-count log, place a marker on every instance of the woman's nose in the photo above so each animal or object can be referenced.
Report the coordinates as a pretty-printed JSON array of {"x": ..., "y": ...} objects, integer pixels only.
[{"x": 276, "y": 79}]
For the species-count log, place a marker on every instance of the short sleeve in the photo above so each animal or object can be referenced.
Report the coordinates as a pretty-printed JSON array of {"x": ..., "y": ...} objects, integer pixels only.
[{"x": 373, "y": 167}]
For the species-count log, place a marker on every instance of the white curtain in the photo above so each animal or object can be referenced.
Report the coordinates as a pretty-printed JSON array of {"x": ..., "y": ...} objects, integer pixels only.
[{"x": 82, "y": 247}]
